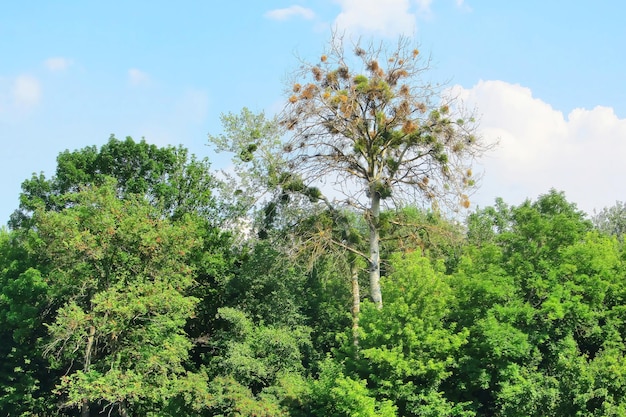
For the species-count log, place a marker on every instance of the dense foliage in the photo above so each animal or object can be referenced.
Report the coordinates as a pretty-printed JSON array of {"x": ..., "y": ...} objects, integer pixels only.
[
  {"x": 112, "y": 301},
  {"x": 136, "y": 282}
]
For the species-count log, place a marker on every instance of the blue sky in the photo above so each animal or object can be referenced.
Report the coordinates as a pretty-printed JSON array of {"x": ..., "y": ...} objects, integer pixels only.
[{"x": 547, "y": 78}]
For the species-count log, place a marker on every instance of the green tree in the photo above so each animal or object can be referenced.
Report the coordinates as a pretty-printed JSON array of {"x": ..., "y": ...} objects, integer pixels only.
[
  {"x": 411, "y": 347},
  {"x": 612, "y": 220},
  {"x": 303, "y": 230},
  {"x": 25, "y": 379},
  {"x": 256, "y": 368},
  {"x": 168, "y": 177},
  {"x": 174, "y": 182},
  {"x": 267, "y": 197},
  {"x": 541, "y": 295},
  {"x": 335, "y": 394},
  {"x": 119, "y": 275},
  {"x": 369, "y": 121},
  {"x": 267, "y": 286}
]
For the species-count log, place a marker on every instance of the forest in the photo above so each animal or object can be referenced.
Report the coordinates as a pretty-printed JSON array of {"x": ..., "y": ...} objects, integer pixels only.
[{"x": 337, "y": 268}]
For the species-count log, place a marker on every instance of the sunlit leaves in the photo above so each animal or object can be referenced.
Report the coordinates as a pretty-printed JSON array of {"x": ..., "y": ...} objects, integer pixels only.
[
  {"x": 120, "y": 268},
  {"x": 546, "y": 320}
]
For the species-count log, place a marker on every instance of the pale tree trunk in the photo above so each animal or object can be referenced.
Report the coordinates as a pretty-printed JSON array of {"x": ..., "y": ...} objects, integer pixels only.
[
  {"x": 84, "y": 410},
  {"x": 374, "y": 255},
  {"x": 356, "y": 304}
]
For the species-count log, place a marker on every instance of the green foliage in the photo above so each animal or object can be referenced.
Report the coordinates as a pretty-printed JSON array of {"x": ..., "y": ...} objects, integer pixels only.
[
  {"x": 24, "y": 379},
  {"x": 230, "y": 398},
  {"x": 256, "y": 355},
  {"x": 335, "y": 394},
  {"x": 539, "y": 294},
  {"x": 266, "y": 188},
  {"x": 119, "y": 276},
  {"x": 117, "y": 291},
  {"x": 254, "y": 141},
  {"x": 267, "y": 287},
  {"x": 411, "y": 229},
  {"x": 326, "y": 302},
  {"x": 409, "y": 348},
  {"x": 256, "y": 367},
  {"x": 168, "y": 177}
]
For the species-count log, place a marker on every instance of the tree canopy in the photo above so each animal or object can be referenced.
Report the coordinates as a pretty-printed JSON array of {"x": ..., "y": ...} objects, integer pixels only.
[
  {"x": 369, "y": 122},
  {"x": 136, "y": 281}
]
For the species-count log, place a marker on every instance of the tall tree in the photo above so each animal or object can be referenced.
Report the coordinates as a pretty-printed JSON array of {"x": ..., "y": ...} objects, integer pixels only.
[
  {"x": 167, "y": 176},
  {"x": 369, "y": 123},
  {"x": 119, "y": 276},
  {"x": 541, "y": 294},
  {"x": 174, "y": 185}
]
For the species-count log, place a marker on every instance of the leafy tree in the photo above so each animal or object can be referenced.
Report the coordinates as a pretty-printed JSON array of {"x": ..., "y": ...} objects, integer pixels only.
[
  {"x": 612, "y": 220},
  {"x": 172, "y": 181},
  {"x": 335, "y": 394},
  {"x": 328, "y": 298},
  {"x": 429, "y": 232},
  {"x": 267, "y": 197},
  {"x": 369, "y": 121},
  {"x": 178, "y": 188},
  {"x": 256, "y": 368},
  {"x": 119, "y": 275},
  {"x": 25, "y": 380},
  {"x": 540, "y": 294},
  {"x": 254, "y": 142},
  {"x": 290, "y": 217},
  {"x": 168, "y": 177},
  {"x": 408, "y": 349},
  {"x": 267, "y": 286}
]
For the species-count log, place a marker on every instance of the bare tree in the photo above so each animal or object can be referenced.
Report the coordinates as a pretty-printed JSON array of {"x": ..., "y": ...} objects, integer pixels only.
[{"x": 367, "y": 121}]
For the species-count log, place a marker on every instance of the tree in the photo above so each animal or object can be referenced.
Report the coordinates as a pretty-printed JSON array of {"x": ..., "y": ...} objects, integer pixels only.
[
  {"x": 411, "y": 347},
  {"x": 541, "y": 295},
  {"x": 263, "y": 190},
  {"x": 171, "y": 180},
  {"x": 119, "y": 276},
  {"x": 255, "y": 367},
  {"x": 267, "y": 286},
  {"x": 26, "y": 381},
  {"x": 168, "y": 177},
  {"x": 369, "y": 123},
  {"x": 612, "y": 220},
  {"x": 335, "y": 394}
]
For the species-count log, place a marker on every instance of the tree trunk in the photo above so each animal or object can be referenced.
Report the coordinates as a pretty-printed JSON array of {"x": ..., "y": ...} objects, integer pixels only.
[
  {"x": 123, "y": 409},
  {"x": 356, "y": 304},
  {"x": 84, "y": 410},
  {"x": 374, "y": 260}
]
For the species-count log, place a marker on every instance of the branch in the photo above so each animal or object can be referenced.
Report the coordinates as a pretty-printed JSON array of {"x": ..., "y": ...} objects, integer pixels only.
[{"x": 351, "y": 249}]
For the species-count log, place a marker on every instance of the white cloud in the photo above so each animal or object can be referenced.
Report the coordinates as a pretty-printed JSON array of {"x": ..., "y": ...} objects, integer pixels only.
[
  {"x": 289, "y": 12},
  {"x": 137, "y": 77},
  {"x": 57, "y": 63},
  {"x": 582, "y": 154},
  {"x": 26, "y": 91},
  {"x": 389, "y": 18}
]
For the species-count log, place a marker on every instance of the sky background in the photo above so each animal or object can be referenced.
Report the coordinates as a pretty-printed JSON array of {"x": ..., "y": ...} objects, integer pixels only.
[{"x": 547, "y": 78}]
